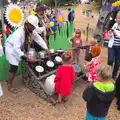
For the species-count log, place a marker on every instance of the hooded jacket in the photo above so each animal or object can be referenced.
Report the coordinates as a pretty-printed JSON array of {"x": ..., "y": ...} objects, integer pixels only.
[{"x": 99, "y": 97}]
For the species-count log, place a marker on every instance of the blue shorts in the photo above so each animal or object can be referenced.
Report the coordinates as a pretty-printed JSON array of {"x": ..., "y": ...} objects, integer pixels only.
[{"x": 89, "y": 117}]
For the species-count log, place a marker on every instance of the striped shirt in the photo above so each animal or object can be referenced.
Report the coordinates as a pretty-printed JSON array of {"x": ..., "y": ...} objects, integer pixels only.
[{"x": 116, "y": 36}]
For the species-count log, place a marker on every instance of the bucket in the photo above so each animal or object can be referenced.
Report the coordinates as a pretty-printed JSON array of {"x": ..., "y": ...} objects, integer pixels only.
[
  {"x": 76, "y": 68},
  {"x": 49, "y": 84}
]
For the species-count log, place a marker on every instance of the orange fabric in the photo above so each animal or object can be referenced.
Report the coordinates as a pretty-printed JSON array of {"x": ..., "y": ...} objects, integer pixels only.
[{"x": 95, "y": 50}]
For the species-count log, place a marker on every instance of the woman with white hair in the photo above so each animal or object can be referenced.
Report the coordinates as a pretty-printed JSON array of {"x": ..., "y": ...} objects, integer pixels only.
[{"x": 21, "y": 38}]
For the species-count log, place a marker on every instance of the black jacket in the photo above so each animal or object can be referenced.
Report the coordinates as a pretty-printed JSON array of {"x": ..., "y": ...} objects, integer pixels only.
[{"x": 98, "y": 102}]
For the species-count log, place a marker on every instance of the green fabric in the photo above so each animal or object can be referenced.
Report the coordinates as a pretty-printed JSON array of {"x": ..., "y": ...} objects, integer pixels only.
[
  {"x": 104, "y": 87},
  {"x": 4, "y": 68},
  {"x": 61, "y": 40}
]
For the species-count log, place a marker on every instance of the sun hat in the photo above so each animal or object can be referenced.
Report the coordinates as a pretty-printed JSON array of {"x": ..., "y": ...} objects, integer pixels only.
[
  {"x": 33, "y": 20},
  {"x": 40, "y": 7}
]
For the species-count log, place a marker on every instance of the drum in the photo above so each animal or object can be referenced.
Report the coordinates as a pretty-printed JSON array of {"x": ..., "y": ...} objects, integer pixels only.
[
  {"x": 50, "y": 64},
  {"x": 58, "y": 60}
]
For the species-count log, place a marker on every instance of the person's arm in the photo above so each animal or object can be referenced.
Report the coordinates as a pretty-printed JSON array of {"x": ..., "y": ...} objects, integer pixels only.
[
  {"x": 88, "y": 93},
  {"x": 39, "y": 40},
  {"x": 17, "y": 45},
  {"x": 39, "y": 30},
  {"x": 89, "y": 63},
  {"x": 71, "y": 38},
  {"x": 58, "y": 75}
]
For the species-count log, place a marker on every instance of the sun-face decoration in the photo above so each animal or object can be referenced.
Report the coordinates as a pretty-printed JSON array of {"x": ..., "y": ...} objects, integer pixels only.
[
  {"x": 14, "y": 15},
  {"x": 115, "y": 4},
  {"x": 59, "y": 18}
]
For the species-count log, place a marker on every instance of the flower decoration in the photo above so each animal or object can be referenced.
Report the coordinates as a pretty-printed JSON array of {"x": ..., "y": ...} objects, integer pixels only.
[
  {"x": 115, "y": 4},
  {"x": 71, "y": 15},
  {"x": 59, "y": 18},
  {"x": 53, "y": 24},
  {"x": 14, "y": 15}
]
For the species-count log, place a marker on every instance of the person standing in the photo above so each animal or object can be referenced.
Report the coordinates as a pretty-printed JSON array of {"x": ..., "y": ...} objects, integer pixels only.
[
  {"x": 65, "y": 76},
  {"x": 114, "y": 46},
  {"x": 76, "y": 44},
  {"x": 99, "y": 95},
  {"x": 43, "y": 20},
  {"x": 21, "y": 39}
]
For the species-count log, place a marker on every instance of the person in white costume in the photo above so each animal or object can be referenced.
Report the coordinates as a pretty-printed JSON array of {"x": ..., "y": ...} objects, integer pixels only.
[{"x": 22, "y": 37}]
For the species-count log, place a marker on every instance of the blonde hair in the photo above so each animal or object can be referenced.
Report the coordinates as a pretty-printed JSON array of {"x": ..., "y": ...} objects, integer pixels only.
[
  {"x": 104, "y": 71},
  {"x": 66, "y": 56},
  {"x": 93, "y": 42},
  {"x": 118, "y": 14}
]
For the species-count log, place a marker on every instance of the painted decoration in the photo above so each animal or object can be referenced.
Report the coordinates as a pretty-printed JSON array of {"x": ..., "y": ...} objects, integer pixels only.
[
  {"x": 53, "y": 24},
  {"x": 59, "y": 18},
  {"x": 14, "y": 15},
  {"x": 71, "y": 15}
]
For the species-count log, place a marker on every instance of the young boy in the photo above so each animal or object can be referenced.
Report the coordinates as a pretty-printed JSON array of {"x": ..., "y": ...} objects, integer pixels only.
[{"x": 99, "y": 95}]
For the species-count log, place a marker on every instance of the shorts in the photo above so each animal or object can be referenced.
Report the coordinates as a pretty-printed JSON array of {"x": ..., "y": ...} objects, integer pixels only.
[{"x": 13, "y": 68}]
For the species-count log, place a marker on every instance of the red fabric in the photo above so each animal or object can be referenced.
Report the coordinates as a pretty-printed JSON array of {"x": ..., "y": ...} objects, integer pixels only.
[
  {"x": 8, "y": 30},
  {"x": 91, "y": 74},
  {"x": 105, "y": 35},
  {"x": 65, "y": 75}
]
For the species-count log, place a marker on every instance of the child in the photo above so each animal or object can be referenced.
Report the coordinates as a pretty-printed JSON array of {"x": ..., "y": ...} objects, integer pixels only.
[
  {"x": 105, "y": 36},
  {"x": 99, "y": 95},
  {"x": 76, "y": 43},
  {"x": 64, "y": 78},
  {"x": 94, "y": 63}
]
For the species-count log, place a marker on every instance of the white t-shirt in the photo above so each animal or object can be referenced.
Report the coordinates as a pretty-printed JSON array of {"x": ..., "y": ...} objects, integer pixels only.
[{"x": 115, "y": 39}]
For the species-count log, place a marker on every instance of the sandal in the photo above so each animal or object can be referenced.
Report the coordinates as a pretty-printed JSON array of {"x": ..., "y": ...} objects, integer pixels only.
[
  {"x": 65, "y": 99},
  {"x": 58, "y": 101},
  {"x": 11, "y": 89}
]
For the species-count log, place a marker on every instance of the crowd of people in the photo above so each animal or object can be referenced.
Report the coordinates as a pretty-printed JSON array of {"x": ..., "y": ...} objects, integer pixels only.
[{"x": 101, "y": 90}]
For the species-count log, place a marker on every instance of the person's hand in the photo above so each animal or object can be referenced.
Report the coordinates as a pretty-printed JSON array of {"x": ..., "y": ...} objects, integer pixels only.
[
  {"x": 85, "y": 66},
  {"x": 25, "y": 56},
  {"x": 31, "y": 59},
  {"x": 48, "y": 52},
  {"x": 114, "y": 33}
]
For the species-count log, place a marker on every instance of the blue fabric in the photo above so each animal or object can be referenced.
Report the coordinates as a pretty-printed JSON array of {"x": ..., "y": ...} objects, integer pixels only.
[
  {"x": 114, "y": 56},
  {"x": 55, "y": 24},
  {"x": 70, "y": 16},
  {"x": 89, "y": 117}
]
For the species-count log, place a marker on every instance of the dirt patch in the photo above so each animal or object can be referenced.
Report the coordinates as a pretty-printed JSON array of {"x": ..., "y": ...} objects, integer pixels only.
[{"x": 27, "y": 106}]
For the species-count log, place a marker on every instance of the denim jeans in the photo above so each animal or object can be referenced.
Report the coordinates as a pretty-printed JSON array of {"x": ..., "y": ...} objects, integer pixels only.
[{"x": 114, "y": 57}]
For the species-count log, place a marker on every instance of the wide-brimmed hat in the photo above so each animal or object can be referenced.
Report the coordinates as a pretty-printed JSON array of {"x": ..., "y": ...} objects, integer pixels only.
[{"x": 40, "y": 7}]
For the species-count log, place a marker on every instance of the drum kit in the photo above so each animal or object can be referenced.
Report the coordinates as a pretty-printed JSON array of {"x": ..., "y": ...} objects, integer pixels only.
[
  {"x": 45, "y": 63},
  {"x": 39, "y": 76}
]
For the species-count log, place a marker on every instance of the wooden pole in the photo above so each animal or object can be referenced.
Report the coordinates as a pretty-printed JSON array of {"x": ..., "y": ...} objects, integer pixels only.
[
  {"x": 2, "y": 19},
  {"x": 55, "y": 6},
  {"x": 87, "y": 32}
]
